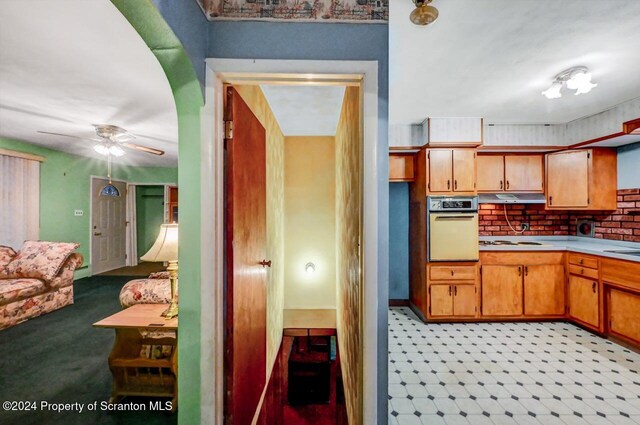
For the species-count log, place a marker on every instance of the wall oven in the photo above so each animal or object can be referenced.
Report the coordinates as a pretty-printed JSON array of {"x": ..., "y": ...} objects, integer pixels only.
[{"x": 452, "y": 224}]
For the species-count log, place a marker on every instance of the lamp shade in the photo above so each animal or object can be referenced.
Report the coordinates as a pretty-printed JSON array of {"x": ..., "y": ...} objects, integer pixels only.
[{"x": 165, "y": 248}]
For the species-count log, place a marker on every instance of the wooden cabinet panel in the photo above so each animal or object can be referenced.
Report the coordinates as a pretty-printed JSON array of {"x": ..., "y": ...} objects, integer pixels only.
[
  {"x": 490, "y": 173},
  {"x": 621, "y": 273},
  {"x": 501, "y": 290},
  {"x": 452, "y": 272},
  {"x": 544, "y": 290},
  {"x": 401, "y": 167},
  {"x": 464, "y": 300},
  {"x": 440, "y": 170},
  {"x": 624, "y": 314},
  {"x": 583, "y": 271},
  {"x": 523, "y": 173},
  {"x": 583, "y": 261},
  {"x": 441, "y": 300},
  {"x": 583, "y": 300},
  {"x": 464, "y": 170},
  {"x": 568, "y": 179}
]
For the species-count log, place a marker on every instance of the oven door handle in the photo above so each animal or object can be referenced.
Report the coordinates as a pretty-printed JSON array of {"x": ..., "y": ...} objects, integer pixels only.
[{"x": 455, "y": 217}]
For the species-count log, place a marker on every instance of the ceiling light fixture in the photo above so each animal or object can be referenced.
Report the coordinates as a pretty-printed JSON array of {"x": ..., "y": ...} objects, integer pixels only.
[
  {"x": 577, "y": 78},
  {"x": 423, "y": 13},
  {"x": 309, "y": 268}
]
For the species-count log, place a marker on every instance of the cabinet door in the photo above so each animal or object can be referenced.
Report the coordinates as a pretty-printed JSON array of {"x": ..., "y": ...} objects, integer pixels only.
[
  {"x": 624, "y": 314},
  {"x": 568, "y": 179},
  {"x": 544, "y": 290},
  {"x": 440, "y": 170},
  {"x": 502, "y": 290},
  {"x": 464, "y": 170},
  {"x": 401, "y": 168},
  {"x": 441, "y": 302},
  {"x": 523, "y": 173},
  {"x": 464, "y": 300},
  {"x": 490, "y": 173},
  {"x": 583, "y": 300}
]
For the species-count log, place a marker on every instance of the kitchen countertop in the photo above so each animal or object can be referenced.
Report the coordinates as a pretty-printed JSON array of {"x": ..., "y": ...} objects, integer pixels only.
[{"x": 565, "y": 243}]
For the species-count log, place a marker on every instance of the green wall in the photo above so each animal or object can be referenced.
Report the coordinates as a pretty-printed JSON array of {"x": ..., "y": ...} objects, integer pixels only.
[
  {"x": 149, "y": 215},
  {"x": 65, "y": 187}
]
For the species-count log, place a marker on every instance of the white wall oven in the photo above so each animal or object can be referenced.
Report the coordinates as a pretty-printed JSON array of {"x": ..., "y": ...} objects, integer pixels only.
[{"x": 452, "y": 224}]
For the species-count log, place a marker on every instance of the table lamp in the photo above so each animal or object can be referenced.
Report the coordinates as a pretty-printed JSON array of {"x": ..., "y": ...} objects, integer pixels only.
[{"x": 165, "y": 248}]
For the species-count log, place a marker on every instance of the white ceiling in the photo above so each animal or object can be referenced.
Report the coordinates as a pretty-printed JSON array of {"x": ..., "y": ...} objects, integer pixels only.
[
  {"x": 493, "y": 58},
  {"x": 305, "y": 110},
  {"x": 67, "y": 64}
]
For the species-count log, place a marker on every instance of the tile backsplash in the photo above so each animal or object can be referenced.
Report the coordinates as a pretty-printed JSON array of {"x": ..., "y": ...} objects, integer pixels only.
[{"x": 622, "y": 224}]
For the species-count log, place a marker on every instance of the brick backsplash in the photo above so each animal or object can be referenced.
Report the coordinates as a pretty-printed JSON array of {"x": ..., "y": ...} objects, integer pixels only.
[{"x": 622, "y": 224}]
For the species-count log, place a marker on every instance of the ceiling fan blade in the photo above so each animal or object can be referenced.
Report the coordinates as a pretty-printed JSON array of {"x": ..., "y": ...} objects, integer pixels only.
[
  {"x": 143, "y": 148},
  {"x": 68, "y": 135}
]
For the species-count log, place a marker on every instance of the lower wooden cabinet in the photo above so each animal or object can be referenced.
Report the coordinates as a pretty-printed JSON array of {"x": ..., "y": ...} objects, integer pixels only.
[
  {"x": 502, "y": 290},
  {"x": 544, "y": 290},
  {"x": 584, "y": 304},
  {"x": 624, "y": 314},
  {"x": 454, "y": 300}
]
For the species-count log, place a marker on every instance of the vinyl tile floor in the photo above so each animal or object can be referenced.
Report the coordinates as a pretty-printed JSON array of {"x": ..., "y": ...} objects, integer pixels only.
[{"x": 508, "y": 373}]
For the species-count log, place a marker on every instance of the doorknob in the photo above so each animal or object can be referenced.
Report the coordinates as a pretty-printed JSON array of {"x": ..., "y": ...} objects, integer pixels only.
[
  {"x": 265, "y": 263},
  {"x": 97, "y": 234}
]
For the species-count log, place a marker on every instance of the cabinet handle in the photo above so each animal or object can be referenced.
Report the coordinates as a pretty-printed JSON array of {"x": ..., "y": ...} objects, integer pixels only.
[
  {"x": 449, "y": 290},
  {"x": 581, "y": 271},
  {"x": 451, "y": 272},
  {"x": 265, "y": 263},
  {"x": 507, "y": 184},
  {"x": 593, "y": 287},
  {"x": 501, "y": 184},
  {"x": 455, "y": 291},
  {"x": 448, "y": 184},
  {"x": 550, "y": 200},
  {"x": 519, "y": 271},
  {"x": 455, "y": 184},
  {"x": 582, "y": 261},
  {"x": 526, "y": 270}
]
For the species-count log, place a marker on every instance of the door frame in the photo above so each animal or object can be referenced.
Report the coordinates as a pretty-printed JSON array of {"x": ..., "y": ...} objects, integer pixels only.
[
  {"x": 238, "y": 71},
  {"x": 91, "y": 179}
]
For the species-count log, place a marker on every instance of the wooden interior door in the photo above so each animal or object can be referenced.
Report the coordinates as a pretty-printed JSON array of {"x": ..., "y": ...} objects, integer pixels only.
[
  {"x": 568, "y": 179},
  {"x": 583, "y": 300},
  {"x": 441, "y": 302},
  {"x": 523, "y": 173},
  {"x": 440, "y": 170},
  {"x": 246, "y": 276},
  {"x": 544, "y": 290},
  {"x": 464, "y": 300},
  {"x": 464, "y": 170},
  {"x": 490, "y": 173},
  {"x": 109, "y": 227},
  {"x": 502, "y": 290}
]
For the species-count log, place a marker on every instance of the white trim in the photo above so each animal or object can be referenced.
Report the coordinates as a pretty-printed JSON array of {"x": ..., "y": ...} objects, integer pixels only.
[{"x": 212, "y": 218}]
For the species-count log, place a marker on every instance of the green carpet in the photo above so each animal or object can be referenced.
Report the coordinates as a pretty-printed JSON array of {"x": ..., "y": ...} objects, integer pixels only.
[{"x": 60, "y": 358}]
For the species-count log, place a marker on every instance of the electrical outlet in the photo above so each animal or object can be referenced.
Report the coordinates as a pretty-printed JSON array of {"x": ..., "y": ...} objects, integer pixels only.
[
  {"x": 78, "y": 213},
  {"x": 524, "y": 226}
]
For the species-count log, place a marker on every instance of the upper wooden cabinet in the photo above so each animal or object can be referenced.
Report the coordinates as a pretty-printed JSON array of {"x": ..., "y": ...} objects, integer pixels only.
[
  {"x": 451, "y": 171},
  {"x": 510, "y": 173},
  {"x": 582, "y": 179},
  {"x": 453, "y": 131},
  {"x": 401, "y": 167}
]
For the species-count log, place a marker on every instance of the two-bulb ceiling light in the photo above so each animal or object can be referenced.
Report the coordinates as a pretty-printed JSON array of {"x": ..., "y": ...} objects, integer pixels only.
[
  {"x": 108, "y": 147},
  {"x": 577, "y": 78},
  {"x": 423, "y": 14}
]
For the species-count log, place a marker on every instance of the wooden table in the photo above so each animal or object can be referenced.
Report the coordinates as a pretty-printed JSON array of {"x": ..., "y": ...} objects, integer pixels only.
[{"x": 144, "y": 358}]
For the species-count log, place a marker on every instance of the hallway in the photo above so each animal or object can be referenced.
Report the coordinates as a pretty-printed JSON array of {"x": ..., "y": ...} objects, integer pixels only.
[{"x": 508, "y": 373}]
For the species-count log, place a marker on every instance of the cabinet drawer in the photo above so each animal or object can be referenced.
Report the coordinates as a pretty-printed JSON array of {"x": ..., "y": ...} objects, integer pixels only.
[
  {"x": 583, "y": 261},
  {"x": 452, "y": 272},
  {"x": 583, "y": 271}
]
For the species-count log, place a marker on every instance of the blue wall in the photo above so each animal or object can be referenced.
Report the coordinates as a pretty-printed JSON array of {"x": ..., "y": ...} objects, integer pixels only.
[
  {"x": 399, "y": 241},
  {"x": 326, "y": 41},
  {"x": 629, "y": 166}
]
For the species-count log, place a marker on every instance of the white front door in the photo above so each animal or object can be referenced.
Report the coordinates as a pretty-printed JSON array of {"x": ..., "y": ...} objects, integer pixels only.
[{"x": 108, "y": 226}]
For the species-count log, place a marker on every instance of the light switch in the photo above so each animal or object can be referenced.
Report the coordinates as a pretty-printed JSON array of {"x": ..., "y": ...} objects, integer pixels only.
[{"x": 78, "y": 213}]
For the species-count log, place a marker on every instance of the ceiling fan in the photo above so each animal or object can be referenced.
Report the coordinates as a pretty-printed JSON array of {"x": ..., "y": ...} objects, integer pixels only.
[{"x": 111, "y": 141}]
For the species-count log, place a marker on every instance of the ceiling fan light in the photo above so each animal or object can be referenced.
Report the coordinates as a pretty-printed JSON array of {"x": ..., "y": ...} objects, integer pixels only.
[
  {"x": 101, "y": 149},
  {"x": 116, "y": 150},
  {"x": 423, "y": 14},
  {"x": 553, "y": 92}
]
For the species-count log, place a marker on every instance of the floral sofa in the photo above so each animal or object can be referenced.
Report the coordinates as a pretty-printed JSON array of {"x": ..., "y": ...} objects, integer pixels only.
[
  {"x": 156, "y": 289},
  {"x": 35, "y": 280}
]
